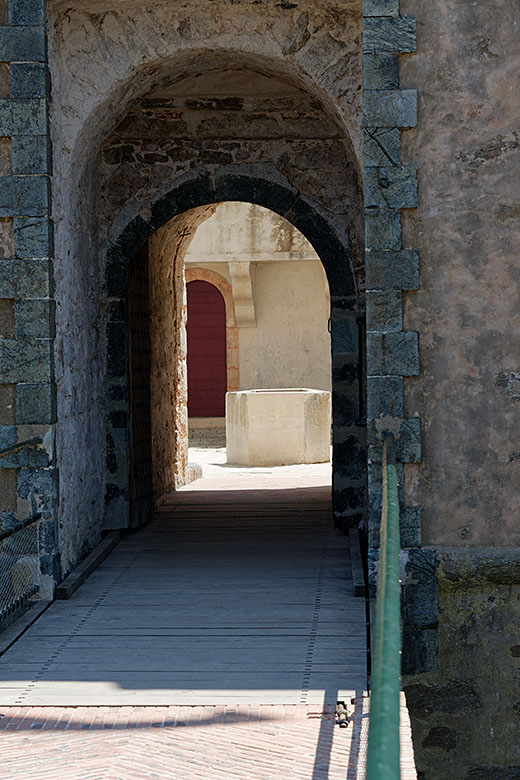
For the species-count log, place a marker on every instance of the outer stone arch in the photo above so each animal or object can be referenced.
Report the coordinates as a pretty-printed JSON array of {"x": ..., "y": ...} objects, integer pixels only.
[{"x": 264, "y": 186}]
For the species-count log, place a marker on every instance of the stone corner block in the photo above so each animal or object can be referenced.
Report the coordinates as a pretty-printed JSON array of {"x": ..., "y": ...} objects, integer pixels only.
[
  {"x": 26, "y": 12},
  {"x": 383, "y": 228},
  {"x": 390, "y": 107},
  {"x": 34, "y": 318},
  {"x": 22, "y": 43},
  {"x": 384, "y": 310},
  {"x": 385, "y": 396},
  {"x": 33, "y": 237},
  {"x": 393, "y": 353},
  {"x": 30, "y": 154},
  {"x": 380, "y": 71},
  {"x": 36, "y": 403},
  {"x": 411, "y": 526},
  {"x": 389, "y": 33},
  {"x": 381, "y": 146},
  {"x": 380, "y": 7},
  {"x": 392, "y": 270},
  {"x": 407, "y": 434},
  {"x": 28, "y": 80},
  {"x": 25, "y": 360},
  {"x": 393, "y": 187},
  {"x": 25, "y": 278}
]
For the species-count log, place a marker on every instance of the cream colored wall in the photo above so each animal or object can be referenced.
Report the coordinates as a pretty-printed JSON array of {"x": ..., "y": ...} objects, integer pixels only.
[
  {"x": 290, "y": 346},
  {"x": 240, "y": 231}
]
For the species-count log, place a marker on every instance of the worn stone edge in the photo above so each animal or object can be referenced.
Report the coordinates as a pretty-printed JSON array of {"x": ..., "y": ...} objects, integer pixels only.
[
  {"x": 76, "y": 578},
  {"x": 473, "y": 566}
]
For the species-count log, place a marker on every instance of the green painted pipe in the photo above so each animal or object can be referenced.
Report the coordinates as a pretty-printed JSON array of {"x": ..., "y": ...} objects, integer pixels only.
[{"x": 383, "y": 735}]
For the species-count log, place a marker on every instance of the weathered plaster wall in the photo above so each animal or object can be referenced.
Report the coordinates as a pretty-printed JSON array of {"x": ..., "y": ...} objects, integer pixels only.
[
  {"x": 467, "y": 229},
  {"x": 289, "y": 343},
  {"x": 245, "y": 231}
]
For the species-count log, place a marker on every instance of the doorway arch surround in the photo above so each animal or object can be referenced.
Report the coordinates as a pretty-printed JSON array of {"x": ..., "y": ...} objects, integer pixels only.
[
  {"x": 197, "y": 274},
  {"x": 262, "y": 185}
]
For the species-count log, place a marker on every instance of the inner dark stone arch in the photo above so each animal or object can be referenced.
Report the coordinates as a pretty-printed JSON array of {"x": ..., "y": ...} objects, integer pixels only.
[{"x": 189, "y": 197}]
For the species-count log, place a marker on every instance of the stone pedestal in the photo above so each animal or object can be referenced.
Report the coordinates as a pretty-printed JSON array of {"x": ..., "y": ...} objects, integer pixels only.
[{"x": 278, "y": 427}]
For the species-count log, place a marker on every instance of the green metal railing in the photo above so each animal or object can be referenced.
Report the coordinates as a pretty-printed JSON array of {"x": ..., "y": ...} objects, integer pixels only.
[{"x": 383, "y": 737}]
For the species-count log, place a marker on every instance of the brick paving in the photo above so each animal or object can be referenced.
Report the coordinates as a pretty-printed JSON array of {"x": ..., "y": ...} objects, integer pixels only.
[{"x": 188, "y": 743}]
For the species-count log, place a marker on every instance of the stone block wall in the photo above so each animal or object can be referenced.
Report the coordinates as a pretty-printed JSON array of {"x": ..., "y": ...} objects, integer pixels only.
[
  {"x": 27, "y": 389},
  {"x": 392, "y": 351}
]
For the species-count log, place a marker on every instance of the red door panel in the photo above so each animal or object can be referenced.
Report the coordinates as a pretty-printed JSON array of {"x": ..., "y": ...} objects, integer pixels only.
[{"x": 207, "y": 370}]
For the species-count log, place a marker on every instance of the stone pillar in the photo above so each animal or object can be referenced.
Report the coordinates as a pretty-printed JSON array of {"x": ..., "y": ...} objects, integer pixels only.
[
  {"x": 27, "y": 390},
  {"x": 392, "y": 353}
]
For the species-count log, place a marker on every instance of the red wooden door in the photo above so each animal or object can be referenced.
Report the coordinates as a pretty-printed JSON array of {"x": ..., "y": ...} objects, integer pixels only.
[{"x": 207, "y": 370}]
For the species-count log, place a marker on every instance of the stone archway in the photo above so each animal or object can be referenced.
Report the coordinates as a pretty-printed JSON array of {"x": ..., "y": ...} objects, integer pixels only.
[{"x": 267, "y": 190}]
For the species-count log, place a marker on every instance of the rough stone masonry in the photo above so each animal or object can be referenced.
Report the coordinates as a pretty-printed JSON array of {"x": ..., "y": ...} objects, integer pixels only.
[{"x": 153, "y": 109}]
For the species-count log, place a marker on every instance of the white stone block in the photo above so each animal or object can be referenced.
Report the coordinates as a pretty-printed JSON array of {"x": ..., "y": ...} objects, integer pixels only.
[{"x": 278, "y": 427}]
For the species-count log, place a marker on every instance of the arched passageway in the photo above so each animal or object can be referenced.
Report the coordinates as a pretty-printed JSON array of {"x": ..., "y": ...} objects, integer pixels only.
[
  {"x": 201, "y": 130},
  {"x": 285, "y": 176}
]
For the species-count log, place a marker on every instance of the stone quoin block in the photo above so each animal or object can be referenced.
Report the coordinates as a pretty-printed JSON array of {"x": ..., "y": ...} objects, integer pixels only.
[
  {"x": 30, "y": 154},
  {"x": 22, "y": 44},
  {"x": 421, "y": 566},
  {"x": 390, "y": 108},
  {"x": 29, "y": 12},
  {"x": 20, "y": 278},
  {"x": 391, "y": 187},
  {"x": 381, "y": 146},
  {"x": 383, "y": 228},
  {"x": 421, "y": 605},
  {"x": 393, "y": 353},
  {"x": 27, "y": 195},
  {"x": 32, "y": 237},
  {"x": 392, "y": 270},
  {"x": 24, "y": 360},
  {"x": 385, "y": 33},
  {"x": 384, "y": 310},
  {"x": 36, "y": 403},
  {"x": 385, "y": 396},
  {"x": 408, "y": 444},
  {"x": 380, "y": 7},
  {"x": 23, "y": 117},
  {"x": 28, "y": 80},
  {"x": 34, "y": 318},
  {"x": 407, "y": 440},
  {"x": 410, "y": 522},
  {"x": 7, "y": 436},
  {"x": 380, "y": 71}
]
